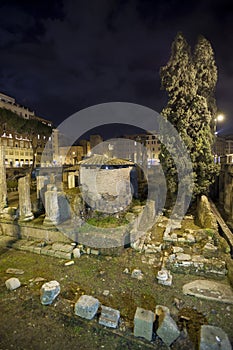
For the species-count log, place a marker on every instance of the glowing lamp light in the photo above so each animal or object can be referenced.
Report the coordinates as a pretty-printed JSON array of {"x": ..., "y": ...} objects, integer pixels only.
[{"x": 219, "y": 118}]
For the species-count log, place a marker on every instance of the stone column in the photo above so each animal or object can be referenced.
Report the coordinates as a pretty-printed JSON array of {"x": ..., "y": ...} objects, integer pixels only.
[
  {"x": 41, "y": 182},
  {"x": 56, "y": 206},
  {"x": 51, "y": 206},
  {"x": 25, "y": 206},
  {"x": 71, "y": 180},
  {"x": 3, "y": 186}
]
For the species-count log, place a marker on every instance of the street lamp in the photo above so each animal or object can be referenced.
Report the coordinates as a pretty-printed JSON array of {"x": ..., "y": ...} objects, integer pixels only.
[{"x": 219, "y": 118}]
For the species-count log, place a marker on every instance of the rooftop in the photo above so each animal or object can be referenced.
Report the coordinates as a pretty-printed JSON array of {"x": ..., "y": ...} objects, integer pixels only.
[{"x": 100, "y": 160}]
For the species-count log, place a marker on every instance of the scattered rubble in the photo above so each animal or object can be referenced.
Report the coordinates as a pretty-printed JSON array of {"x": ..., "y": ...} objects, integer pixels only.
[
  {"x": 213, "y": 338},
  {"x": 137, "y": 274},
  {"x": 49, "y": 291},
  {"x": 76, "y": 253},
  {"x": 15, "y": 271},
  {"x": 167, "y": 328},
  {"x": 86, "y": 307},
  {"x": 109, "y": 317},
  {"x": 106, "y": 292},
  {"x": 164, "y": 277},
  {"x": 13, "y": 283},
  {"x": 143, "y": 323}
]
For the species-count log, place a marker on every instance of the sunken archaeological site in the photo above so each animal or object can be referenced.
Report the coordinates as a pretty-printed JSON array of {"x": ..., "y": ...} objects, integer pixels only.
[
  {"x": 120, "y": 243},
  {"x": 93, "y": 240}
]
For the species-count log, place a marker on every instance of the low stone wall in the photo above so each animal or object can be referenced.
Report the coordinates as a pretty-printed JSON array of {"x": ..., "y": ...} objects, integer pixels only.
[
  {"x": 27, "y": 231},
  {"x": 9, "y": 229},
  {"x": 40, "y": 233}
]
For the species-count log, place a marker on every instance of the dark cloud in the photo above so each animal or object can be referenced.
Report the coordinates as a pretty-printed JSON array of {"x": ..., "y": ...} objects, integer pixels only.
[{"x": 58, "y": 57}]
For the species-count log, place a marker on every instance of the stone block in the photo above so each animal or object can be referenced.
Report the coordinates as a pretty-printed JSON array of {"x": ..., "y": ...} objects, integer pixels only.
[
  {"x": 37, "y": 250},
  {"x": 27, "y": 248},
  {"x": 137, "y": 274},
  {"x": 62, "y": 255},
  {"x": 164, "y": 277},
  {"x": 143, "y": 323},
  {"x": 167, "y": 329},
  {"x": 210, "y": 250},
  {"x": 49, "y": 291},
  {"x": 176, "y": 249},
  {"x": 95, "y": 252},
  {"x": 182, "y": 256},
  {"x": 161, "y": 309},
  {"x": 213, "y": 338},
  {"x": 191, "y": 238},
  {"x": 57, "y": 246},
  {"x": 67, "y": 248},
  {"x": 86, "y": 307},
  {"x": 50, "y": 252},
  {"x": 109, "y": 317},
  {"x": 44, "y": 250},
  {"x": 13, "y": 283},
  {"x": 76, "y": 253},
  {"x": 15, "y": 271}
]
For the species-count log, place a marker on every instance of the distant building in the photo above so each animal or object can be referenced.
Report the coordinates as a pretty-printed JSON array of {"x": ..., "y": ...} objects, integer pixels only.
[
  {"x": 18, "y": 148},
  {"x": 135, "y": 150},
  {"x": 86, "y": 146},
  {"x": 219, "y": 146},
  {"x": 229, "y": 145},
  {"x": 8, "y": 102},
  {"x": 94, "y": 141},
  {"x": 223, "y": 149},
  {"x": 70, "y": 155}
]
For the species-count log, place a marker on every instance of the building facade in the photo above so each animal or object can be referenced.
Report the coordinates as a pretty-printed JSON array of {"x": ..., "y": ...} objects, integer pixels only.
[
  {"x": 18, "y": 148},
  {"x": 9, "y": 103}
]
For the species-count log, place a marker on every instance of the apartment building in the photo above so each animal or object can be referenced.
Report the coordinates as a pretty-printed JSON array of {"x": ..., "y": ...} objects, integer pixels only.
[
  {"x": 18, "y": 148},
  {"x": 10, "y": 103}
]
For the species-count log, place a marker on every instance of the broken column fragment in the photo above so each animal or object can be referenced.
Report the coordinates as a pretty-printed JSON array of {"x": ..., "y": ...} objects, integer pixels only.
[{"x": 25, "y": 206}]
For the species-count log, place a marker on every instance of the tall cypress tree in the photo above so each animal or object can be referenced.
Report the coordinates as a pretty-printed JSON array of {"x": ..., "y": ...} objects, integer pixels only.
[
  {"x": 206, "y": 74},
  {"x": 188, "y": 111}
]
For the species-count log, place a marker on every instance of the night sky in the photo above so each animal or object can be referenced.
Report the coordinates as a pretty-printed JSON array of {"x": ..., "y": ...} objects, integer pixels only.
[{"x": 58, "y": 57}]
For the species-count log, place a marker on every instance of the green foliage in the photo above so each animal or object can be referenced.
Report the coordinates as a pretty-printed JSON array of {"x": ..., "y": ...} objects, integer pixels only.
[
  {"x": 206, "y": 74},
  {"x": 107, "y": 221},
  {"x": 30, "y": 128},
  {"x": 12, "y": 184},
  {"x": 209, "y": 232},
  {"x": 188, "y": 85},
  {"x": 11, "y": 122}
]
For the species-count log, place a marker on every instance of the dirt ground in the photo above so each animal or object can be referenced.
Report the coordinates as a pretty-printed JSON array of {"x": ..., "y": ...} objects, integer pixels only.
[{"x": 26, "y": 324}]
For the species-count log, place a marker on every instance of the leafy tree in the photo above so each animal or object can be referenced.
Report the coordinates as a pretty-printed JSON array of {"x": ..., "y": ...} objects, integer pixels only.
[
  {"x": 188, "y": 111},
  {"x": 38, "y": 133}
]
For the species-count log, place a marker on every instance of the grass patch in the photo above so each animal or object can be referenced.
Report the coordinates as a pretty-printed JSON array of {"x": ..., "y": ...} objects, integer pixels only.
[{"x": 108, "y": 221}]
